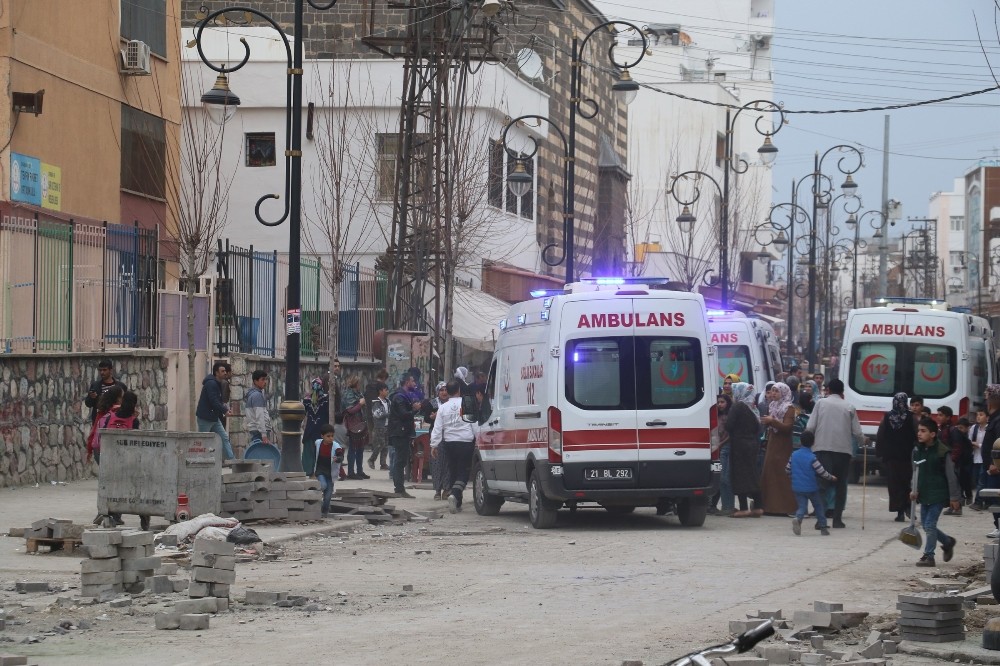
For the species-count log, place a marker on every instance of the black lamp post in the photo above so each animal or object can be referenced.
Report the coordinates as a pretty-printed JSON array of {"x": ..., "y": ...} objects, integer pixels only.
[
  {"x": 291, "y": 410},
  {"x": 768, "y": 152},
  {"x": 855, "y": 222},
  {"x": 519, "y": 181}
]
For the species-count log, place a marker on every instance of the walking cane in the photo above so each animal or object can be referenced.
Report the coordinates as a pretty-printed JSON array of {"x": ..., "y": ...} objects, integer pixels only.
[{"x": 864, "y": 484}]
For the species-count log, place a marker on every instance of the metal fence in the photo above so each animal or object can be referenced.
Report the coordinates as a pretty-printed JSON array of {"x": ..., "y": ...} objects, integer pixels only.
[
  {"x": 71, "y": 286},
  {"x": 250, "y": 288}
]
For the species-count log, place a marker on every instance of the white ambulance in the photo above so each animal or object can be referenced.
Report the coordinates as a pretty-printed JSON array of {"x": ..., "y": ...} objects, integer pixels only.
[
  {"x": 919, "y": 347},
  {"x": 600, "y": 392},
  {"x": 745, "y": 347}
]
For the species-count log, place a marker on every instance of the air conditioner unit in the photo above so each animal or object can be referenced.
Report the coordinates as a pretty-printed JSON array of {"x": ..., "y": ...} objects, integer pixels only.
[{"x": 135, "y": 59}]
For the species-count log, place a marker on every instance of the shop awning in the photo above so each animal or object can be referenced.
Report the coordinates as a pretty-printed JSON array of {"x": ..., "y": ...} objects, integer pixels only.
[{"x": 476, "y": 322}]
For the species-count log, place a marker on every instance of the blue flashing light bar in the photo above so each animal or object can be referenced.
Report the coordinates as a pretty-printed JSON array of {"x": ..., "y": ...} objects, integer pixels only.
[
  {"x": 539, "y": 293},
  {"x": 907, "y": 300},
  {"x": 624, "y": 280},
  {"x": 723, "y": 313}
]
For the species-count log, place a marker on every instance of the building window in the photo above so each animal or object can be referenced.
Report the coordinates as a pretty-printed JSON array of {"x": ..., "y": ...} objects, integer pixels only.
[
  {"x": 146, "y": 20},
  {"x": 957, "y": 223},
  {"x": 144, "y": 153},
  {"x": 389, "y": 149},
  {"x": 495, "y": 183},
  {"x": 955, "y": 258},
  {"x": 260, "y": 149}
]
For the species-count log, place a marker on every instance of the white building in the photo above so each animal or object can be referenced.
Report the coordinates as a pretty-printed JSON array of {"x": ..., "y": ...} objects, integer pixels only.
[
  {"x": 351, "y": 118},
  {"x": 948, "y": 211},
  {"x": 717, "y": 53}
]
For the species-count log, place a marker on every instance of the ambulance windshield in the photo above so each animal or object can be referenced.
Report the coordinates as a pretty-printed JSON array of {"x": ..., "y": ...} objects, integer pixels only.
[
  {"x": 735, "y": 360},
  {"x": 886, "y": 368}
]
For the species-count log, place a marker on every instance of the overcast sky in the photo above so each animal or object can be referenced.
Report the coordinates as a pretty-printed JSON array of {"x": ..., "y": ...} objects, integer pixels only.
[{"x": 856, "y": 54}]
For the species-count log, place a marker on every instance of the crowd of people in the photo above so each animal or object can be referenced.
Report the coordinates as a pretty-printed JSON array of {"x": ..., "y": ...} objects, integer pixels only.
[{"x": 793, "y": 444}]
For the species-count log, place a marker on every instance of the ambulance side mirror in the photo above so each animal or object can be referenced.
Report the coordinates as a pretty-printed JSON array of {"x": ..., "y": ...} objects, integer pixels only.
[{"x": 470, "y": 409}]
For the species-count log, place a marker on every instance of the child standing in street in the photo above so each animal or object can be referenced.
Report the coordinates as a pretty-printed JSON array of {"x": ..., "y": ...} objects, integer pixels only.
[
  {"x": 804, "y": 468},
  {"x": 937, "y": 483},
  {"x": 329, "y": 457}
]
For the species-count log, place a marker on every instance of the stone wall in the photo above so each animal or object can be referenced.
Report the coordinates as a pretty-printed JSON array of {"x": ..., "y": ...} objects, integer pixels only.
[{"x": 44, "y": 422}]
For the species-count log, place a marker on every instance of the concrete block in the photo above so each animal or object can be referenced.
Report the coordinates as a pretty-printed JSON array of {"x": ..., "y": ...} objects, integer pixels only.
[
  {"x": 243, "y": 477},
  {"x": 24, "y": 587},
  {"x": 220, "y": 590},
  {"x": 779, "y": 655},
  {"x": 803, "y": 619},
  {"x": 168, "y": 540},
  {"x": 212, "y": 546},
  {"x": 827, "y": 607},
  {"x": 141, "y": 564},
  {"x": 929, "y": 599},
  {"x": 100, "y": 566},
  {"x": 873, "y": 650},
  {"x": 875, "y": 637},
  {"x": 222, "y": 602},
  {"x": 135, "y": 552},
  {"x": 889, "y": 647},
  {"x": 133, "y": 577},
  {"x": 287, "y": 504},
  {"x": 197, "y": 590},
  {"x": 40, "y": 533},
  {"x": 167, "y": 620},
  {"x": 248, "y": 487},
  {"x": 196, "y": 606},
  {"x": 7, "y": 659},
  {"x": 131, "y": 538},
  {"x": 259, "y": 597},
  {"x": 101, "y": 552},
  {"x": 102, "y": 578},
  {"x": 100, "y": 590},
  {"x": 194, "y": 622},
  {"x": 227, "y": 562},
  {"x": 159, "y": 585},
  {"x": 181, "y": 584},
  {"x": 67, "y": 531},
  {"x": 936, "y": 638},
  {"x": 121, "y": 602},
  {"x": 102, "y": 537},
  {"x": 816, "y": 642},
  {"x": 208, "y": 575},
  {"x": 167, "y": 569},
  {"x": 40, "y": 524},
  {"x": 813, "y": 659},
  {"x": 313, "y": 495}
]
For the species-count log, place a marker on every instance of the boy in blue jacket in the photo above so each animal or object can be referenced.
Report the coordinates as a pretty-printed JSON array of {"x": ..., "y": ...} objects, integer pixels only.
[{"x": 804, "y": 468}]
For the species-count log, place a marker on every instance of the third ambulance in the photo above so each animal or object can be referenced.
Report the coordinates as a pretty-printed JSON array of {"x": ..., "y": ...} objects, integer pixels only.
[
  {"x": 919, "y": 347},
  {"x": 600, "y": 393}
]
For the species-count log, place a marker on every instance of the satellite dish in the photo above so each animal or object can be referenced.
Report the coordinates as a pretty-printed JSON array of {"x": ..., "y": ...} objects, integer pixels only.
[{"x": 530, "y": 64}]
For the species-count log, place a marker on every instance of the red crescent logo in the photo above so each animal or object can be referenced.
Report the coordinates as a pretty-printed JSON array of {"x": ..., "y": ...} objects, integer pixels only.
[
  {"x": 866, "y": 369},
  {"x": 673, "y": 382},
  {"x": 923, "y": 373},
  {"x": 738, "y": 372}
]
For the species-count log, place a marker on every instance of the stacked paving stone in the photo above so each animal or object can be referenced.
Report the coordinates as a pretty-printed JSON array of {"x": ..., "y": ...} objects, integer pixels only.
[
  {"x": 253, "y": 492},
  {"x": 51, "y": 528},
  {"x": 190, "y": 614},
  {"x": 213, "y": 569},
  {"x": 119, "y": 560},
  {"x": 931, "y": 617}
]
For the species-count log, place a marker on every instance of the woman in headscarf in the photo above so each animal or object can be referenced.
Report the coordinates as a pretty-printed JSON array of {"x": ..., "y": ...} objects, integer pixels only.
[
  {"x": 317, "y": 405},
  {"x": 743, "y": 427},
  {"x": 775, "y": 484},
  {"x": 894, "y": 446},
  {"x": 728, "y": 381},
  {"x": 723, "y": 403},
  {"x": 352, "y": 405}
]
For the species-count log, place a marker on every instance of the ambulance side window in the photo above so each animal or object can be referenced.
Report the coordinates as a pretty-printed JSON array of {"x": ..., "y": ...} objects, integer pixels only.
[
  {"x": 486, "y": 407},
  {"x": 979, "y": 368}
]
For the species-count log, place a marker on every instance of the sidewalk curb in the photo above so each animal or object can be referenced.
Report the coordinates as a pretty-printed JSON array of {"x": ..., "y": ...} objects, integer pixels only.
[
  {"x": 967, "y": 651},
  {"x": 338, "y": 527}
]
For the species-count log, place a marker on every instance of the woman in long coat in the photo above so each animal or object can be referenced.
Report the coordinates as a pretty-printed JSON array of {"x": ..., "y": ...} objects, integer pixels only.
[
  {"x": 894, "y": 447},
  {"x": 775, "y": 484},
  {"x": 743, "y": 426}
]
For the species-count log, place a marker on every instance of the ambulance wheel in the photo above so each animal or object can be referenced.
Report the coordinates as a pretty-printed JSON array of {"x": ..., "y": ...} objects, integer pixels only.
[
  {"x": 692, "y": 511},
  {"x": 486, "y": 504},
  {"x": 619, "y": 509},
  {"x": 540, "y": 510}
]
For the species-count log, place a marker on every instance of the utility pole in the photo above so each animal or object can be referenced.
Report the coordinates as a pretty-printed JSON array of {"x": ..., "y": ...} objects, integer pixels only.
[{"x": 883, "y": 243}]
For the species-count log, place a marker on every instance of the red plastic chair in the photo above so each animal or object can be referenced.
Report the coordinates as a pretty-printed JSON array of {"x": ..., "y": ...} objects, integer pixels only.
[{"x": 421, "y": 447}]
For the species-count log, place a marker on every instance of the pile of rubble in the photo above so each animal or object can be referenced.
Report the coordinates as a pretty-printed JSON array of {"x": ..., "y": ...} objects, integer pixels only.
[
  {"x": 371, "y": 505},
  {"x": 56, "y": 533},
  {"x": 252, "y": 491}
]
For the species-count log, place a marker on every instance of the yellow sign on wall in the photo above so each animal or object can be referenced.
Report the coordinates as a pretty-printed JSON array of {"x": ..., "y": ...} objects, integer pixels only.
[{"x": 51, "y": 187}]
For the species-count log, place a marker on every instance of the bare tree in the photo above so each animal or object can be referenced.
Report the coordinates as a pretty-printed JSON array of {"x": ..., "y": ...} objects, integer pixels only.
[{"x": 345, "y": 181}]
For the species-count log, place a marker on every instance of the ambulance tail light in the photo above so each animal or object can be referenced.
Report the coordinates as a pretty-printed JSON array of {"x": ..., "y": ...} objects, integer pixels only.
[
  {"x": 963, "y": 408},
  {"x": 555, "y": 435},
  {"x": 713, "y": 436}
]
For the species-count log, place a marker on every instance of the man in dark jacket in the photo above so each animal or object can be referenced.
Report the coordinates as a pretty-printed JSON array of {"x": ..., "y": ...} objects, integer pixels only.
[
  {"x": 400, "y": 431},
  {"x": 98, "y": 387},
  {"x": 211, "y": 407},
  {"x": 992, "y": 396}
]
